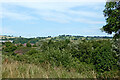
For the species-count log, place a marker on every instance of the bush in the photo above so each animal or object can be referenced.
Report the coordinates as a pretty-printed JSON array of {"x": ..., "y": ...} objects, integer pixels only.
[
  {"x": 94, "y": 52},
  {"x": 103, "y": 57},
  {"x": 22, "y": 50},
  {"x": 34, "y": 45},
  {"x": 9, "y": 47},
  {"x": 28, "y": 45},
  {"x": 32, "y": 51}
]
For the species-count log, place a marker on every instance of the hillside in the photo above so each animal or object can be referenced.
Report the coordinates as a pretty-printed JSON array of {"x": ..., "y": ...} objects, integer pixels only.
[{"x": 6, "y": 37}]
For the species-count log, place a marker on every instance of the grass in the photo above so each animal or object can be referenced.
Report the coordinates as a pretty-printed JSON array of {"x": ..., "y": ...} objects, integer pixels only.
[{"x": 15, "y": 69}]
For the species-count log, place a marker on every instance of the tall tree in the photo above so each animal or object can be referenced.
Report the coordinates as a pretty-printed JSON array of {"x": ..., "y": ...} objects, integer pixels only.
[{"x": 112, "y": 15}]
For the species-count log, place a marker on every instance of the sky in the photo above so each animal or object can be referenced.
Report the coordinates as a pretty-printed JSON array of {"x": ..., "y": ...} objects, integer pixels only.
[{"x": 35, "y": 18}]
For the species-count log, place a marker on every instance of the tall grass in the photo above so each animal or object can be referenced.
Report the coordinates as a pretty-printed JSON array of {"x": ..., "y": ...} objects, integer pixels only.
[{"x": 16, "y": 69}]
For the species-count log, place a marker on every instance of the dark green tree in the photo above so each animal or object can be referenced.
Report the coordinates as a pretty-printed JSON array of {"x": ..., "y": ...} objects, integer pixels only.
[
  {"x": 112, "y": 15},
  {"x": 9, "y": 47},
  {"x": 7, "y": 44},
  {"x": 28, "y": 44}
]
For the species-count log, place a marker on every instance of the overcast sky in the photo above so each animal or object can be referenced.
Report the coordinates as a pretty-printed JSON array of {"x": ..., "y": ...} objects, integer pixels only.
[{"x": 42, "y": 18}]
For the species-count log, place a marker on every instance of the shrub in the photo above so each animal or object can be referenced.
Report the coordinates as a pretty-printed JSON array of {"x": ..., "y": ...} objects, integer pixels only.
[
  {"x": 22, "y": 50},
  {"x": 9, "y": 47},
  {"x": 34, "y": 45},
  {"x": 32, "y": 51},
  {"x": 103, "y": 57},
  {"x": 28, "y": 45}
]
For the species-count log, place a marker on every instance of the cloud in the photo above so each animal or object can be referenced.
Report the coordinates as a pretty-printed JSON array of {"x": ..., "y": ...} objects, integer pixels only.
[
  {"x": 17, "y": 16},
  {"x": 87, "y": 21},
  {"x": 56, "y": 19},
  {"x": 61, "y": 12},
  {"x": 86, "y": 13},
  {"x": 54, "y": 0}
]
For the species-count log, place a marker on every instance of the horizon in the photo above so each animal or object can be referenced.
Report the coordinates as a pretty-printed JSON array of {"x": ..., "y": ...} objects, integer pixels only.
[
  {"x": 32, "y": 19},
  {"x": 55, "y": 36}
]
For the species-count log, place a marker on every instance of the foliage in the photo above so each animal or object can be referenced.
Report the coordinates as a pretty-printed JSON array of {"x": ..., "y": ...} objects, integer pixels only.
[
  {"x": 70, "y": 37},
  {"x": 112, "y": 14},
  {"x": 32, "y": 51},
  {"x": 28, "y": 44},
  {"x": 9, "y": 47},
  {"x": 98, "y": 53},
  {"x": 109, "y": 74},
  {"x": 82, "y": 55},
  {"x": 83, "y": 51},
  {"x": 104, "y": 59},
  {"x": 116, "y": 49},
  {"x": 34, "y": 45},
  {"x": 22, "y": 50},
  {"x": 25, "y": 40}
]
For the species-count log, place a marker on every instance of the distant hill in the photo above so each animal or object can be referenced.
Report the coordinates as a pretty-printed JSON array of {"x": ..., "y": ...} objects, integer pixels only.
[
  {"x": 57, "y": 38},
  {"x": 70, "y": 37},
  {"x": 6, "y": 37}
]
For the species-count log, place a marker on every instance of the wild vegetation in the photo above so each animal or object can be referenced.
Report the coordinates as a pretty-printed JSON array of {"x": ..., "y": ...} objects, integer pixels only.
[
  {"x": 112, "y": 15},
  {"x": 85, "y": 58}
]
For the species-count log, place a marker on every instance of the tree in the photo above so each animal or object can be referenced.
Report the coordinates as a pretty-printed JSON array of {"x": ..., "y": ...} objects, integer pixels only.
[
  {"x": 7, "y": 44},
  {"x": 28, "y": 44},
  {"x": 9, "y": 47},
  {"x": 112, "y": 14}
]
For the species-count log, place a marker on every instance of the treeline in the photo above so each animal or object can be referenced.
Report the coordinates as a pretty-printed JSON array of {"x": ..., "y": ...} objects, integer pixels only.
[
  {"x": 70, "y": 37},
  {"x": 82, "y": 55},
  {"x": 23, "y": 40}
]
